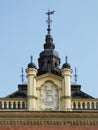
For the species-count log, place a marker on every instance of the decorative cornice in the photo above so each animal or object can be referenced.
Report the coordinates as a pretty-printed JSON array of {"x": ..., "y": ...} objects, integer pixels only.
[
  {"x": 66, "y": 97},
  {"x": 49, "y": 75},
  {"x": 47, "y": 118},
  {"x": 32, "y": 96}
]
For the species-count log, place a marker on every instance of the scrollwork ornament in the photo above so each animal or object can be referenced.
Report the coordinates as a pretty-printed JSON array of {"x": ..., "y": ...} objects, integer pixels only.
[{"x": 49, "y": 97}]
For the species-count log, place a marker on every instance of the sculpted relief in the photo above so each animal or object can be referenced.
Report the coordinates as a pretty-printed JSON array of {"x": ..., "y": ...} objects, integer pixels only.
[{"x": 48, "y": 97}]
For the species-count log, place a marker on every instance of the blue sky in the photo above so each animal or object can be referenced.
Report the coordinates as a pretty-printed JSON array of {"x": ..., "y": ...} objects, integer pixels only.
[{"x": 22, "y": 34}]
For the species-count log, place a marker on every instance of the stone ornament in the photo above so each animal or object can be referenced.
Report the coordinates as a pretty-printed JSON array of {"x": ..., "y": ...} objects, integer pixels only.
[{"x": 48, "y": 97}]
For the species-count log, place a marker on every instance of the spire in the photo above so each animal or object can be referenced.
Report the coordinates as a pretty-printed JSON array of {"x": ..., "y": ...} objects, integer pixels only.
[
  {"x": 75, "y": 76},
  {"x": 49, "y": 60},
  {"x": 49, "y": 40},
  {"x": 66, "y": 58},
  {"x": 49, "y": 20},
  {"x": 22, "y": 75},
  {"x": 31, "y": 58}
]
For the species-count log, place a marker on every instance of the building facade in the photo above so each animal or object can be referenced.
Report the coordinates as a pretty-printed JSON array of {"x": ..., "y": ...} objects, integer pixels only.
[{"x": 49, "y": 98}]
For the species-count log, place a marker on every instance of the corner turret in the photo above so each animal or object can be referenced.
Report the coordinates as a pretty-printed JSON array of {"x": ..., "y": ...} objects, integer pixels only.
[
  {"x": 66, "y": 86},
  {"x": 31, "y": 88}
]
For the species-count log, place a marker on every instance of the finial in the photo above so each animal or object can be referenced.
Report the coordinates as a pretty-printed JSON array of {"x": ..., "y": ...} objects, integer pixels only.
[
  {"x": 75, "y": 75},
  {"x": 31, "y": 59},
  {"x": 66, "y": 64},
  {"x": 31, "y": 64},
  {"x": 49, "y": 20},
  {"x": 66, "y": 58},
  {"x": 22, "y": 75}
]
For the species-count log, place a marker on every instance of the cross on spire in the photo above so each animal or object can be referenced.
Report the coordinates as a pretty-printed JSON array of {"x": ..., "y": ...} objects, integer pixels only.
[
  {"x": 75, "y": 76},
  {"x": 66, "y": 58},
  {"x": 22, "y": 75},
  {"x": 49, "y": 20},
  {"x": 31, "y": 58}
]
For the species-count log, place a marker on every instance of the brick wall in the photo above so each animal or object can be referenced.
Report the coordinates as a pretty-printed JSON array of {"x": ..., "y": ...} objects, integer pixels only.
[{"x": 49, "y": 128}]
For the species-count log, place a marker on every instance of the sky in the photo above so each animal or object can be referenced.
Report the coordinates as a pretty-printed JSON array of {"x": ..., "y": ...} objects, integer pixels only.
[{"x": 22, "y": 33}]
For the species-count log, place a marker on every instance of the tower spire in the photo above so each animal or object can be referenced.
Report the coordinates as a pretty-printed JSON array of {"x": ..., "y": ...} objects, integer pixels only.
[
  {"x": 49, "y": 40},
  {"x": 49, "y": 20},
  {"x": 75, "y": 76},
  {"x": 66, "y": 58},
  {"x": 22, "y": 75},
  {"x": 49, "y": 60},
  {"x": 31, "y": 59}
]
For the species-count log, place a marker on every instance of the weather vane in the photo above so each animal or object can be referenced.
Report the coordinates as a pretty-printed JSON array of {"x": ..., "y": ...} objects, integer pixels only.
[
  {"x": 49, "y": 20},
  {"x": 75, "y": 75},
  {"x": 22, "y": 75}
]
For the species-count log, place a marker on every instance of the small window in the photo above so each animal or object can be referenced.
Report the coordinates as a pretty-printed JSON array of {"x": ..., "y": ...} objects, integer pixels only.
[
  {"x": 49, "y": 62},
  {"x": 56, "y": 64}
]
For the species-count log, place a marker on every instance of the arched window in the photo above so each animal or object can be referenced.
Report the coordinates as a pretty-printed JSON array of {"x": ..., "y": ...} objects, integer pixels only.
[
  {"x": 56, "y": 64},
  {"x": 48, "y": 62}
]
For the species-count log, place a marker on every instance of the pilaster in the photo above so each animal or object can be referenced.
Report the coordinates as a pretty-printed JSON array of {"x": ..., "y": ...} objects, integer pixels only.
[
  {"x": 31, "y": 89},
  {"x": 66, "y": 93}
]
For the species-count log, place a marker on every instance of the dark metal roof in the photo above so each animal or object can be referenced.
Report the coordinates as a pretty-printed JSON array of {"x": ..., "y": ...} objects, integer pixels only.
[{"x": 75, "y": 91}]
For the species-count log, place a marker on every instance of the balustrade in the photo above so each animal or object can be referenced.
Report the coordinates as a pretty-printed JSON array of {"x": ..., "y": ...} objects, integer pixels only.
[
  {"x": 12, "y": 104},
  {"x": 84, "y": 105}
]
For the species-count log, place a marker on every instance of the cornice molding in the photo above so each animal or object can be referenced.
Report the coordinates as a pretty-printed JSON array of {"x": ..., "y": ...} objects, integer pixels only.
[
  {"x": 49, "y": 118},
  {"x": 49, "y": 75}
]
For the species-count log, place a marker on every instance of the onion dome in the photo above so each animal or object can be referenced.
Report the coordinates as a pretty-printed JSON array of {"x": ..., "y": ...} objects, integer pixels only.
[
  {"x": 31, "y": 64},
  {"x": 49, "y": 42},
  {"x": 66, "y": 64}
]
